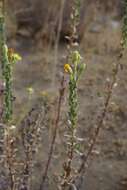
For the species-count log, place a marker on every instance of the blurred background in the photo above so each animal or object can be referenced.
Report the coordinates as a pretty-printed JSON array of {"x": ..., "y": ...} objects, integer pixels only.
[
  {"x": 33, "y": 28},
  {"x": 39, "y": 19}
]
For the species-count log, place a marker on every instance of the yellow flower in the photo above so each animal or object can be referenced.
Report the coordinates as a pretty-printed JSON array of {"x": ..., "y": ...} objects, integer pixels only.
[
  {"x": 30, "y": 90},
  {"x": 67, "y": 68},
  {"x": 17, "y": 57},
  {"x": 12, "y": 56}
]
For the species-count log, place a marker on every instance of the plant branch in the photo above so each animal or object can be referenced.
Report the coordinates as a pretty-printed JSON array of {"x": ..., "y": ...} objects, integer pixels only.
[{"x": 61, "y": 95}]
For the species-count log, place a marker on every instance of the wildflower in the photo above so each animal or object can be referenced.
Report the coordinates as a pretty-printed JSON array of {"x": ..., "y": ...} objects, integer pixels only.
[
  {"x": 67, "y": 68},
  {"x": 12, "y": 56},
  {"x": 16, "y": 57},
  {"x": 30, "y": 90}
]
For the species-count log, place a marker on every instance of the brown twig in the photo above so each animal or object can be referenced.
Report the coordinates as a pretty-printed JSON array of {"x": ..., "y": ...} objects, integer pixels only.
[
  {"x": 82, "y": 167},
  {"x": 61, "y": 95}
]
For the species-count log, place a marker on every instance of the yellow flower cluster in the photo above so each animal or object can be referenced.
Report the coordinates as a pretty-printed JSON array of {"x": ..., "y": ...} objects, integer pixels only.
[
  {"x": 17, "y": 57},
  {"x": 67, "y": 68},
  {"x": 12, "y": 56}
]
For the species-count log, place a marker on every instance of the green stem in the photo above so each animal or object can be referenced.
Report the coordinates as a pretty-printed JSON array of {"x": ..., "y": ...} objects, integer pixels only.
[{"x": 6, "y": 68}]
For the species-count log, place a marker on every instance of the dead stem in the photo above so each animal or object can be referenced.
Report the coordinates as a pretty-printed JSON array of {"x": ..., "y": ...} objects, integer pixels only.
[
  {"x": 82, "y": 168},
  {"x": 61, "y": 95}
]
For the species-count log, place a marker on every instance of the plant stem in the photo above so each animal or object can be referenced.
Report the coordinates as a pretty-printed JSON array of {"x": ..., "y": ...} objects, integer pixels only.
[
  {"x": 123, "y": 45},
  {"x": 6, "y": 66},
  {"x": 7, "y": 78},
  {"x": 100, "y": 123},
  {"x": 61, "y": 95}
]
